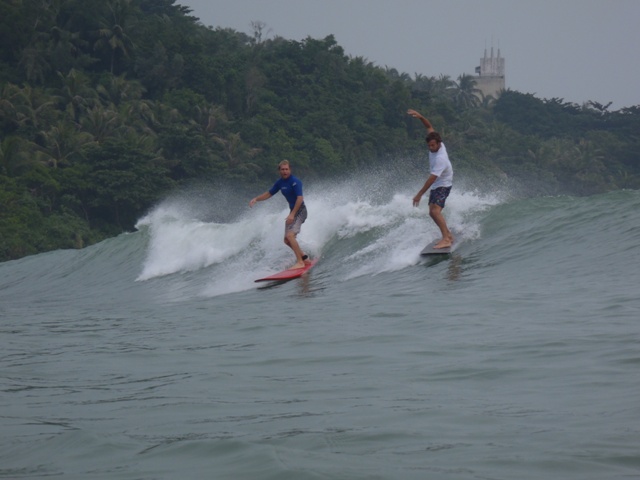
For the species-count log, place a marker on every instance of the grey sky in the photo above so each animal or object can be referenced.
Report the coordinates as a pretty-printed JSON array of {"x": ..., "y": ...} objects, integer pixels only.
[{"x": 578, "y": 50}]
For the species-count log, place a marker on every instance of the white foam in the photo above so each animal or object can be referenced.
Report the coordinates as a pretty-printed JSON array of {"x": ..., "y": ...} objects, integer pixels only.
[{"x": 385, "y": 232}]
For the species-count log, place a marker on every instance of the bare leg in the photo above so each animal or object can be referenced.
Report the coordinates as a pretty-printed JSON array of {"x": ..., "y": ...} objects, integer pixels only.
[
  {"x": 292, "y": 242},
  {"x": 435, "y": 212}
]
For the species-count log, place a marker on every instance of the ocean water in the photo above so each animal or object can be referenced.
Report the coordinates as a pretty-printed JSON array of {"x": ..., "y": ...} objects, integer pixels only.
[{"x": 154, "y": 355}]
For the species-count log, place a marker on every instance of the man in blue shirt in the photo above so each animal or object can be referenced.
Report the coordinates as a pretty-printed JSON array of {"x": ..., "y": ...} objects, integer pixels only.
[{"x": 291, "y": 188}]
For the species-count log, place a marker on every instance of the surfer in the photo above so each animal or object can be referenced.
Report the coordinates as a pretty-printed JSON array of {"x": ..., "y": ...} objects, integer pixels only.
[
  {"x": 440, "y": 180},
  {"x": 291, "y": 188}
]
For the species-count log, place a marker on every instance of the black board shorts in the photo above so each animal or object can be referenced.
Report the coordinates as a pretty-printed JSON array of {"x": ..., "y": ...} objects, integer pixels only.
[{"x": 439, "y": 196}]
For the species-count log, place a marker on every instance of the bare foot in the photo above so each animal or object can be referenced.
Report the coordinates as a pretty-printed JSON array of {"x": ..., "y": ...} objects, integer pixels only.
[
  {"x": 297, "y": 265},
  {"x": 443, "y": 244}
]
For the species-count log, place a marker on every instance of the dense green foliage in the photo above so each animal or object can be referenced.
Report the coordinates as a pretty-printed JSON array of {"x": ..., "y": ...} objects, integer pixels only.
[{"x": 108, "y": 105}]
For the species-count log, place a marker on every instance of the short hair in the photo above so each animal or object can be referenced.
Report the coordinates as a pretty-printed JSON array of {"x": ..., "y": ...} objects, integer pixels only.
[
  {"x": 434, "y": 136},
  {"x": 283, "y": 162}
]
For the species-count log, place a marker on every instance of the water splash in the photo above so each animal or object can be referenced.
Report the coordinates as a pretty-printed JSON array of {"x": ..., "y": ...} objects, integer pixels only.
[{"x": 360, "y": 227}]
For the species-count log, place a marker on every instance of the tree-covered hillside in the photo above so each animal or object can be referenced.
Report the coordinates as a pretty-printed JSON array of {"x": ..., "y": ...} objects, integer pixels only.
[{"x": 106, "y": 106}]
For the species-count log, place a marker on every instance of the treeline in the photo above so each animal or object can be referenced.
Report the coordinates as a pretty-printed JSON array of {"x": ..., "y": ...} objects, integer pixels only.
[{"x": 108, "y": 105}]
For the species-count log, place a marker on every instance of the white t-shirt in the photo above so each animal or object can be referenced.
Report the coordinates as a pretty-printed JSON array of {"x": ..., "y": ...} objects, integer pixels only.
[{"x": 440, "y": 166}]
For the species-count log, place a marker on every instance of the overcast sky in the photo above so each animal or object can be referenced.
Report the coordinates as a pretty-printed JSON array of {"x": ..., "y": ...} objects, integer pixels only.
[{"x": 578, "y": 50}]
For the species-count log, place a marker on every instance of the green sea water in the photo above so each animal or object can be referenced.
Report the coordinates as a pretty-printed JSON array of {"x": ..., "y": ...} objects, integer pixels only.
[{"x": 154, "y": 355}]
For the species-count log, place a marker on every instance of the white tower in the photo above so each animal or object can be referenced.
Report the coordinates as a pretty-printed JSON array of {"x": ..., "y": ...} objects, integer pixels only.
[{"x": 490, "y": 80}]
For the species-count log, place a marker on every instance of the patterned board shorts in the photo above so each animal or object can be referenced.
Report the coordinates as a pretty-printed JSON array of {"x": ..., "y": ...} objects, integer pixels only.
[
  {"x": 439, "y": 196},
  {"x": 298, "y": 220}
]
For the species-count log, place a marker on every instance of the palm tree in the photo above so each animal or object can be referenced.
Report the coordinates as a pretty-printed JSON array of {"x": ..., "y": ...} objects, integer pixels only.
[
  {"x": 34, "y": 64},
  {"x": 65, "y": 49},
  {"x": 602, "y": 109},
  {"x": 119, "y": 90},
  {"x": 101, "y": 123},
  {"x": 443, "y": 85},
  {"x": 235, "y": 150},
  {"x": 26, "y": 106},
  {"x": 488, "y": 101},
  {"x": 76, "y": 93},
  {"x": 62, "y": 143},
  {"x": 424, "y": 83},
  {"x": 465, "y": 94},
  {"x": 209, "y": 119},
  {"x": 14, "y": 156},
  {"x": 112, "y": 36},
  {"x": 258, "y": 33},
  {"x": 8, "y": 110}
]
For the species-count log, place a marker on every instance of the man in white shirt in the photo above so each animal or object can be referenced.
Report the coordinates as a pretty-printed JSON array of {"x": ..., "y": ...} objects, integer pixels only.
[{"x": 440, "y": 180}]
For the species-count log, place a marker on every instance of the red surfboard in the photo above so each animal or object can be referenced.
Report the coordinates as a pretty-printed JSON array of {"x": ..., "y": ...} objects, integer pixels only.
[{"x": 289, "y": 274}]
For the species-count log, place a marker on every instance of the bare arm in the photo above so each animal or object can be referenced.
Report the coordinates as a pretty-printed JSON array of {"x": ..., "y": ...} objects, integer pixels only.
[
  {"x": 427, "y": 185},
  {"x": 425, "y": 122},
  {"x": 294, "y": 210},
  {"x": 259, "y": 198}
]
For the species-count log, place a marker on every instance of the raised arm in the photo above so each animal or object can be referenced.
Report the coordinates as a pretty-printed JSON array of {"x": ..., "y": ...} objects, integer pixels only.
[{"x": 425, "y": 122}]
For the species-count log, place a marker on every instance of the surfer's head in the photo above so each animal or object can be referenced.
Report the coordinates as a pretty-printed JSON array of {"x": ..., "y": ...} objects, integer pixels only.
[
  {"x": 433, "y": 140},
  {"x": 285, "y": 169}
]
